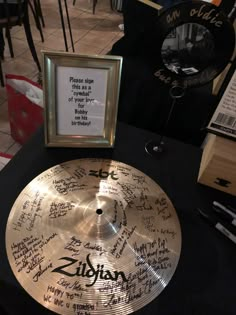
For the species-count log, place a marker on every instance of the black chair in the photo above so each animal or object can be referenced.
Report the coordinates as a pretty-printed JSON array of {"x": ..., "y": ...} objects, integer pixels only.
[{"x": 15, "y": 15}]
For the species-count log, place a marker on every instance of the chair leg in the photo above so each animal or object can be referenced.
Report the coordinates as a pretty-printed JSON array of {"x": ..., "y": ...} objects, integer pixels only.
[
  {"x": 74, "y": 2},
  {"x": 94, "y": 5},
  {"x": 8, "y": 36},
  {"x": 1, "y": 74},
  {"x": 30, "y": 39},
  {"x": 2, "y": 45},
  {"x": 69, "y": 26},
  {"x": 63, "y": 24},
  {"x": 111, "y": 5},
  {"x": 35, "y": 13},
  {"x": 40, "y": 12}
]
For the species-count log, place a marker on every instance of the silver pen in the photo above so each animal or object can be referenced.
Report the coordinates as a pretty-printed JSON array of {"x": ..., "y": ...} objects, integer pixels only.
[
  {"x": 225, "y": 211},
  {"x": 217, "y": 225}
]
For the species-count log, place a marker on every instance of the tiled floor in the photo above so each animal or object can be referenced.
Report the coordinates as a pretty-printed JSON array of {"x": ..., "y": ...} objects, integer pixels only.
[{"x": 93, "y": 34}]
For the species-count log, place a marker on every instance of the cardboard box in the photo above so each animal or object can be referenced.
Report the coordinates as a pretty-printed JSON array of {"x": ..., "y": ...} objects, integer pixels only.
[{"x": 218, "y": 164}]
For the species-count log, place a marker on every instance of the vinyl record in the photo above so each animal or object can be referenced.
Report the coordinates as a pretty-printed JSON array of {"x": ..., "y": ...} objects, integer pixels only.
[
  {"x": 194, "y": 42},
  {"x": 93, "y": 236},
  {"x": 224, "y": 5}
]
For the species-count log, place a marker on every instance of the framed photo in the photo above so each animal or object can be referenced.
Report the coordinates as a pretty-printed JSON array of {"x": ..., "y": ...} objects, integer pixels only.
[{"x": 81, "y": 95}]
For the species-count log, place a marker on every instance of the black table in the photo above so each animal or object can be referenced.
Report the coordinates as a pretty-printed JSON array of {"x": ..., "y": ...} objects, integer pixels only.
[{"x": 204, "y": 282}]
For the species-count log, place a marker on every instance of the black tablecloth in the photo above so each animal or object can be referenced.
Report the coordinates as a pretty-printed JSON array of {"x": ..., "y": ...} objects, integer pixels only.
[
  {"x": 145, "y": 102},
  {"x": 204, "y": 282}
]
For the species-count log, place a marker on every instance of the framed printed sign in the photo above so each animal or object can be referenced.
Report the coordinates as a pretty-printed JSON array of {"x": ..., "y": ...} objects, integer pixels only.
[
  {"x": 223, "y": 121},
  {"x": 81, "y": 99}
]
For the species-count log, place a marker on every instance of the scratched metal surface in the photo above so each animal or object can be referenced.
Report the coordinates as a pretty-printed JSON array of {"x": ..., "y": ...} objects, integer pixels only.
[{"x": 93, "y": 236}]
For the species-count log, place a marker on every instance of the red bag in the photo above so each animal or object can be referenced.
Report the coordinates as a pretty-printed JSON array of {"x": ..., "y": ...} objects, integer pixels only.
[{"x": 25, "y": 106}]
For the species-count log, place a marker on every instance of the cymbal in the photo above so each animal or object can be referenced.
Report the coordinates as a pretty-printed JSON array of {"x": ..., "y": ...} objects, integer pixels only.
[{"x": 93, "y": 236}]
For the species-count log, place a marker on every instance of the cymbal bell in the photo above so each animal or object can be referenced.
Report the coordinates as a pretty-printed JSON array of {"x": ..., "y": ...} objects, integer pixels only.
[{"x": 93, "y": 236}]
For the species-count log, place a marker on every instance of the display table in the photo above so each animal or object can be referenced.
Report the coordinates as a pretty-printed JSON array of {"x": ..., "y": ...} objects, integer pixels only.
[{"x": 204, "y": 282}]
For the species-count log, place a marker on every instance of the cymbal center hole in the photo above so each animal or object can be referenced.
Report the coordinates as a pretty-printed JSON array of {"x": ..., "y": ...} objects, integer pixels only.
[{"x": 99, "y": 211}]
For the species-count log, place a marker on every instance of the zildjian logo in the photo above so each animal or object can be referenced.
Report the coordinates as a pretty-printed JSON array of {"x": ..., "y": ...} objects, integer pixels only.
[{"x": 87, "y": 270}]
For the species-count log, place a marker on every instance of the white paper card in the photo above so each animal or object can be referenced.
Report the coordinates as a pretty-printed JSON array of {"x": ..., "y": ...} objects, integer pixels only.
[
  {"x": 81, "y": 99},
  {"x": 224, "y": 118}
]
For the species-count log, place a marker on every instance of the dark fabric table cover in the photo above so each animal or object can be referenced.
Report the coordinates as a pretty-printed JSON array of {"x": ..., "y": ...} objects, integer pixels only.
[
  {"x": 145, "y": 102},
  {"x": 204, "y": 282}
]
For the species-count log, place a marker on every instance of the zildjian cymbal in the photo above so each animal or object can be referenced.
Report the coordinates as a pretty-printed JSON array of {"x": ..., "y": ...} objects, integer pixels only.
[{"x": 93, "y": 236}]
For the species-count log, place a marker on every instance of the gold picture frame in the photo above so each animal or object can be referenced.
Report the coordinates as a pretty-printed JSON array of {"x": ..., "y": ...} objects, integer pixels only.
[{"x": 81, "y": 94}]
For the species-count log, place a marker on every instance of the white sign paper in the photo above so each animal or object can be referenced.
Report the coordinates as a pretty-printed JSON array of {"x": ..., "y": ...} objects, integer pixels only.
[
  {"x": 224, "y": 119},
  {"x": 81, "y": 99}
]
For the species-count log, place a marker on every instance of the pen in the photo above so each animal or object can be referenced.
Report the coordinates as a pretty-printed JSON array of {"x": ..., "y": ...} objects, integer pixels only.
[
  {"x": 229, "y": 210},
  {"x": 213, "y": 222},
  {"x": 224, "y": 212}
]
